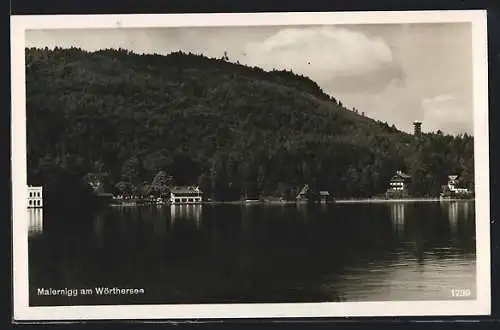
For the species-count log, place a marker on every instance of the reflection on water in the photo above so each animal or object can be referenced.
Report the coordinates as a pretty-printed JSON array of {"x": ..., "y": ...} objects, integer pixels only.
[
  {"x": 303, "y": 209},
  {"x": 453, "y": 214},
  {"x": 262, "y": 253},
  {"x": 190, "y": 212},
  {"x": 459, "y": 213},
  {"x": 35, "y": 222},
  {"x": 398, "y": 216}
]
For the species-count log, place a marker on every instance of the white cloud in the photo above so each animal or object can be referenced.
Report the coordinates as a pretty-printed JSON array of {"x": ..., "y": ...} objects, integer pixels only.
[
  {"x": 339, "y": 59},
  {"x": 439, "y": 99},
  {"x": 447, "y": 113},
  {"x": 343, "y": 51}
]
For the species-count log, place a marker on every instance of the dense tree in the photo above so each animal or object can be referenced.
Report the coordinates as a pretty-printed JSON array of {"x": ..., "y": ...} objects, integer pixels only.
[
  {"x": 127, "y": 120},
  {"x": 123, "y": 187},
  {"x": 161, "y": 183}
]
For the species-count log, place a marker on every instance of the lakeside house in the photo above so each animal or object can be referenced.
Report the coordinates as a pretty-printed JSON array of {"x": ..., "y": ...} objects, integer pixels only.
[
  {"x": 453, "y": 189},
  {"x": 97, "y": 186},
  {"x": 453, "y": 185},
  {"x": 306, "y": 194},
  {"x": 324, "y": 196},
  {"x": 185, "y": 195},
  {"x": 35, "y": 197},
  {"x": 398, "y": 185},
  {"x": 302, "y": 195}
]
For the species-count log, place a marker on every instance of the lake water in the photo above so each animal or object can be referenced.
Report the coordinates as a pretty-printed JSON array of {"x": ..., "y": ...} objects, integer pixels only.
[{"x": 254, "y": 253}]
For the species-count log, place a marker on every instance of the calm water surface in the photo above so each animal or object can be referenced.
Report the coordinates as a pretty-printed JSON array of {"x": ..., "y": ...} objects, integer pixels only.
[{"x": 255, "y": 253}]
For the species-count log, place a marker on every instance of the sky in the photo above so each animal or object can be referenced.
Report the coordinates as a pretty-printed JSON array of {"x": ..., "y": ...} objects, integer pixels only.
[{"x": 397, "y": 73}]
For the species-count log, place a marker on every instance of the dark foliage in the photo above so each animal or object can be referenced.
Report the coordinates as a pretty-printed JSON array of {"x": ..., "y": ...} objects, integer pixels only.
[{"x": 123, "y": 118}]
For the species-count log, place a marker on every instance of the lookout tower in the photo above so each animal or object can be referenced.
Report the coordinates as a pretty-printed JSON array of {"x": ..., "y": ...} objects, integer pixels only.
[{"x": 417, "y": 128}]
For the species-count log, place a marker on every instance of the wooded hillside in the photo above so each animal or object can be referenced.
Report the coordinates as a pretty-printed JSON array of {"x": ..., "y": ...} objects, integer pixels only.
[{"x": 138, "y": 123}]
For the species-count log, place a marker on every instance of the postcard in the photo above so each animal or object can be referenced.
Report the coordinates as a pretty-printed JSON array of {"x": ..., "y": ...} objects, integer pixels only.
[{"x": 252, "y": 165}]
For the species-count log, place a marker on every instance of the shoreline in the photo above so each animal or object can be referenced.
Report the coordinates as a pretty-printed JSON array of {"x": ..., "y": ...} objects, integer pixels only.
[
  {"x": 403, "y": 200},
  {"x": 336, "y": 201}
]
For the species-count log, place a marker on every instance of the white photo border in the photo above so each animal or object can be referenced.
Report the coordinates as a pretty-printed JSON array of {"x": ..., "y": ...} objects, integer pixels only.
[{"x": 22, "y": 310}]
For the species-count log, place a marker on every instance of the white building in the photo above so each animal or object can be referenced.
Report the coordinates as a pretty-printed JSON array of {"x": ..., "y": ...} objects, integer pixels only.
[
  {"x": 185, "y": 195},
  {"x": 452, "y": 185},
  {"x": 35, "y": 197}
]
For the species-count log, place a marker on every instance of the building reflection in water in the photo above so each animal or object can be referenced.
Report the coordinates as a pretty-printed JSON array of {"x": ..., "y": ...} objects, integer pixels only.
[
  {"x": 453, "y": 214},
  {"x": 35, "y": 222},
  {"x": 247, "y": 214},
  {"x": 466, "y": 210},
  {"x": 159, "y": 220},
  {"x": 303, "y": 210},
  {"x": 398, "y": 211},
  {"x": 98, "y": 228},
  {"x": 185, "y": 212}
]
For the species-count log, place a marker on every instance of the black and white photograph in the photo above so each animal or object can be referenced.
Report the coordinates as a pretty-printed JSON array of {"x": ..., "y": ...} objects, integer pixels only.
[{"x": 250, "y": 165}]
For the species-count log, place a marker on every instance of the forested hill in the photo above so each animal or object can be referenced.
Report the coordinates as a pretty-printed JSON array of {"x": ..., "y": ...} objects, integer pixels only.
[{"x": 141, "y": 122}]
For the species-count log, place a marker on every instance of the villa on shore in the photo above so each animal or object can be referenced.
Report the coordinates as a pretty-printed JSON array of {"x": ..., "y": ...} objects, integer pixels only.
[
  {"x": 452, "y": 189},
  {"x": 35, "y": 197},
  {"x": 324, "y": 195},
  {"x": 307, "y": 195},
  {"x": 398, "y": 185},
  {"x": 302, "y": 195},
  {"x": 186, "y": 195}
]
